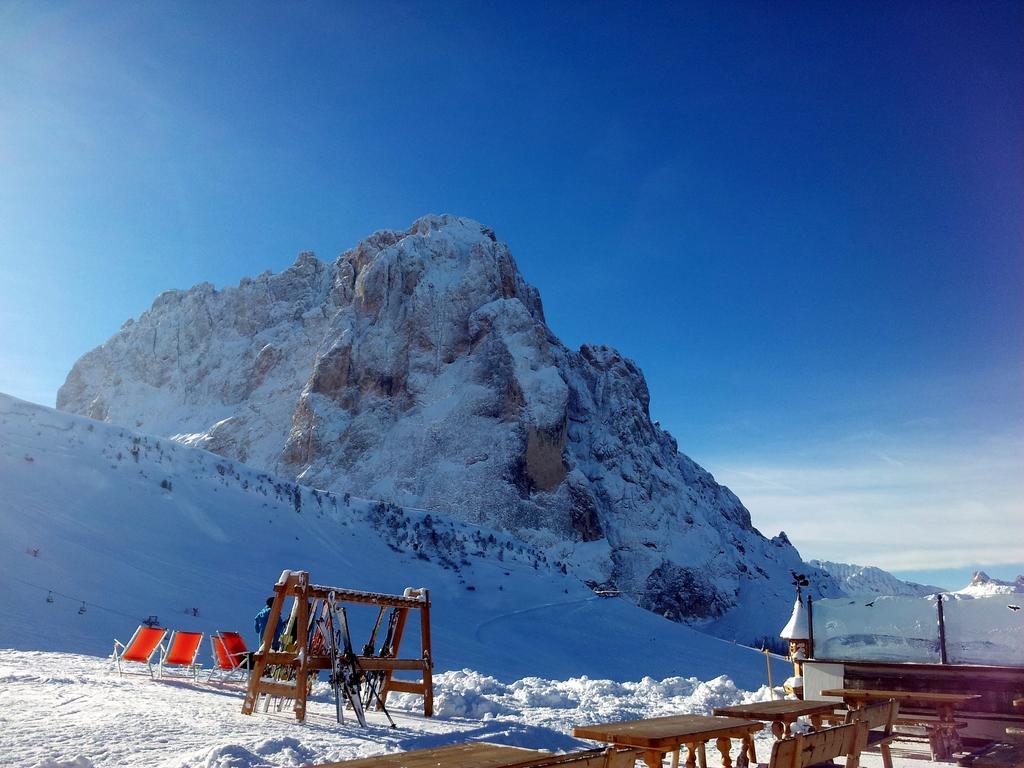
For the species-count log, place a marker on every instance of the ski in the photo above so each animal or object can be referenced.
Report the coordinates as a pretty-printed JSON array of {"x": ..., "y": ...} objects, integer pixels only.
[
  {"x": 330, "y": 638},
  {"x": 347, "y": 667},
  {"x": 375, "y": 679}
]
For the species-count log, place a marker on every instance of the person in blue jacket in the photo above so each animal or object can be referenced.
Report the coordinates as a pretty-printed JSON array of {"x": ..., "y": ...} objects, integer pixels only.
[{"x": 261, "y": 623}]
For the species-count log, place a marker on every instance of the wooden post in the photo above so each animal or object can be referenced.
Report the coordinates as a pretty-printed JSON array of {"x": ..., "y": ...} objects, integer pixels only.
[
  {"x": 942, "y": 631},
  {"x": 768, "y": 663},
  {"x": 301, "y": 644},
  {"x": 428, "y": 665},
  {"x": 810, "y": 626},
  {"x": 256, "y": 673}
]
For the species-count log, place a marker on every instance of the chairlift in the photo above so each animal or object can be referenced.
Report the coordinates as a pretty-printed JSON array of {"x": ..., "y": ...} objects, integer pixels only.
[
  {"x": 49, "y": 595},
  {"x": 82, "y": 609}
]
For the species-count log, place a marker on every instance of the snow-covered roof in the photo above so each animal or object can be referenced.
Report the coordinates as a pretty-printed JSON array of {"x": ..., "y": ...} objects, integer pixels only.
[{"x": 797, "y": 628}]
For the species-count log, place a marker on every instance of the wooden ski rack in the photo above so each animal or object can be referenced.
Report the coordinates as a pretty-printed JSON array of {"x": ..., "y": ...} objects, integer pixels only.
[{"x": 304, "y": 661}]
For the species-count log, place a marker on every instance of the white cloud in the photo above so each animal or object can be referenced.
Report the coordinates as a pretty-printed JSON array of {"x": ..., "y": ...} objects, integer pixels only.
[{"x": 938, "y": 501}]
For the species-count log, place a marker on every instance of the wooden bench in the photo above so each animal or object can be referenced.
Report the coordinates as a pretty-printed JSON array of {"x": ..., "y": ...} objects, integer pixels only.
[
  {"x": 879, "y": 720},
  {"x": 481, "y": 754},
  {"x": 821, "y": 747}
]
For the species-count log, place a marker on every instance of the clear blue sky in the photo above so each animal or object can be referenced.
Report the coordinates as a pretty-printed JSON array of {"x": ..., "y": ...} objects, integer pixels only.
[{"x": 804, "y": 221}]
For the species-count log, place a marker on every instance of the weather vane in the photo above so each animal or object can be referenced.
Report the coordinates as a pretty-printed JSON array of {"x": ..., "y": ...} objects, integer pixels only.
[{"x": 799, "y": 581}]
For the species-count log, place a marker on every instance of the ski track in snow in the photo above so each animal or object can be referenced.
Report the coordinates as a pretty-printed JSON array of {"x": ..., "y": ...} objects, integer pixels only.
[{"x": 477, "y": 633}]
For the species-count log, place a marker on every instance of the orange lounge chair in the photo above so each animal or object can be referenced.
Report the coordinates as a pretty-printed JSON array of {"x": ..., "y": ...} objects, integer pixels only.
[
  {"x": 229, "y": 654},
  {"x": 140, "y": 648},
  {"x": 181, "y": 651}
]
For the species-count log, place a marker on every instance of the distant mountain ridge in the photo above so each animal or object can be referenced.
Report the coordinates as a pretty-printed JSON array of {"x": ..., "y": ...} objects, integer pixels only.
[
  {"x": 982, "y": 585},
  {"x": 869, "y": 580},
  {"x": 418, "y": 368}
]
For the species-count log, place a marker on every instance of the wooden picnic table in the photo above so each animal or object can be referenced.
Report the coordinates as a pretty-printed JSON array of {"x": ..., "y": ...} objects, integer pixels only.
[
  {"x": 943, "y": 735},
  {"x": 658, "y": 735},
  {"x": 475, "y": 754},
  {"x": 781, "y": 714}
]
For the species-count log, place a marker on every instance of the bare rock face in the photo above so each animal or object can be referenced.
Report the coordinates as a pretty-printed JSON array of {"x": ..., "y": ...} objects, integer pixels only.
[{"x": 418, "y": 368}]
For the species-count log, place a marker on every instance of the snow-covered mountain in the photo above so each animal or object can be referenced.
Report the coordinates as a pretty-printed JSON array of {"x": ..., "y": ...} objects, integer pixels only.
[
  {"x": 114, "y": 525},
  {"x": 418, "y": 368},
  {"x": 868, "y": 580},
  {"x": 983, "y": 585}
]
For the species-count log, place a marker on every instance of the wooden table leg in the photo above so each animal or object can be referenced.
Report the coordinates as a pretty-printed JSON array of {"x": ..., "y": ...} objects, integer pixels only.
[
  {"x": 691, "y": 755},
  {"x": 748, "y": 743},
  {"x": 778, "y": 729},
  {"x": 723, "y": 745},
  {"x": 653, "y": 758},
  {"x": 702, "y": 756},
  {"x": 815, "y": 722},
  {"x": 743, "y": 759}
]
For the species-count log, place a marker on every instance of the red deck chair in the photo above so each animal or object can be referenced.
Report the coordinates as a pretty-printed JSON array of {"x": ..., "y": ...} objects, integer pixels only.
[
  {"x": 229, "y": 655},
  {"x": 140, "y": 648},
  {"x": 181, "y": 651}
]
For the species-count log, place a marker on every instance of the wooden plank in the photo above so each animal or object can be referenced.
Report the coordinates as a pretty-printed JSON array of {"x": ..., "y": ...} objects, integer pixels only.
[
  {"x": 667, "y": 733},
  {"x": 406, "y": 686},
  {"x": 777, "y": 710},
  {"x": 369, "y": 598},
  {"x": 284, "y": 690},
  {"x": 927, "y": 697},
  {"x": 366, "y": 662},
  {"x": 375, "y": 662},
  {"x": 475, "y": 754}
]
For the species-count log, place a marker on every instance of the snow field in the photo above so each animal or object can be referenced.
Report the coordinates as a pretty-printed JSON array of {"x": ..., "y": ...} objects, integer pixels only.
[{"x": 60, "y": 709}]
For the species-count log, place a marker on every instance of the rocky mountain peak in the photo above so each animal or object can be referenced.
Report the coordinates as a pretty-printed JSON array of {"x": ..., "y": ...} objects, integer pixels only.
[{"x": 418, "y": 368}]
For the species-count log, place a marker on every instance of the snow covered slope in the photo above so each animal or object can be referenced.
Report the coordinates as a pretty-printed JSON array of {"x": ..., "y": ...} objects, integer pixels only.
[
  {"x": 869, "y": 580},
  {"x": 418, "y": 368},
  {"x": 130, "y": 525}
]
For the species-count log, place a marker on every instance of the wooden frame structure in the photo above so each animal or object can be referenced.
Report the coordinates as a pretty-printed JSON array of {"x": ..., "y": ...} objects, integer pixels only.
[{"x": 304, "y": 660}]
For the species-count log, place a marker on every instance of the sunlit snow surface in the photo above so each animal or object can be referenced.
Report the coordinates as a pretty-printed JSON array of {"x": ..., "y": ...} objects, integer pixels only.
[{"x": 64, "y": 707}]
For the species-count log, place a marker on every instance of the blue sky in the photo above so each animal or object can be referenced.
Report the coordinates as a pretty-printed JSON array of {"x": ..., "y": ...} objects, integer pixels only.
[{"x": 804, "y": 221}]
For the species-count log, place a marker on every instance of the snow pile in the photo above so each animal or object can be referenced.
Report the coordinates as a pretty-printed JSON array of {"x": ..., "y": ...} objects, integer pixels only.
[
  {"x": 582, "y": 700},
  {"x": 62, "y": 709},
  {"x": 418, "y": 368}
]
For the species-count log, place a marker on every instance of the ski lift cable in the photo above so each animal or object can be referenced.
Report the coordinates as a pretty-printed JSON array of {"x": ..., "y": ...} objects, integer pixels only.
[{"x": 73, "y": 598}]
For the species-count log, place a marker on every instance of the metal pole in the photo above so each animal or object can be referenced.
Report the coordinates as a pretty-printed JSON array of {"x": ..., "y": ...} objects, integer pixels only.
[
  {"x": 810, "y": 626},
  {"x": 768, "y": 663},
  {"x": 942, "y": 632}
]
